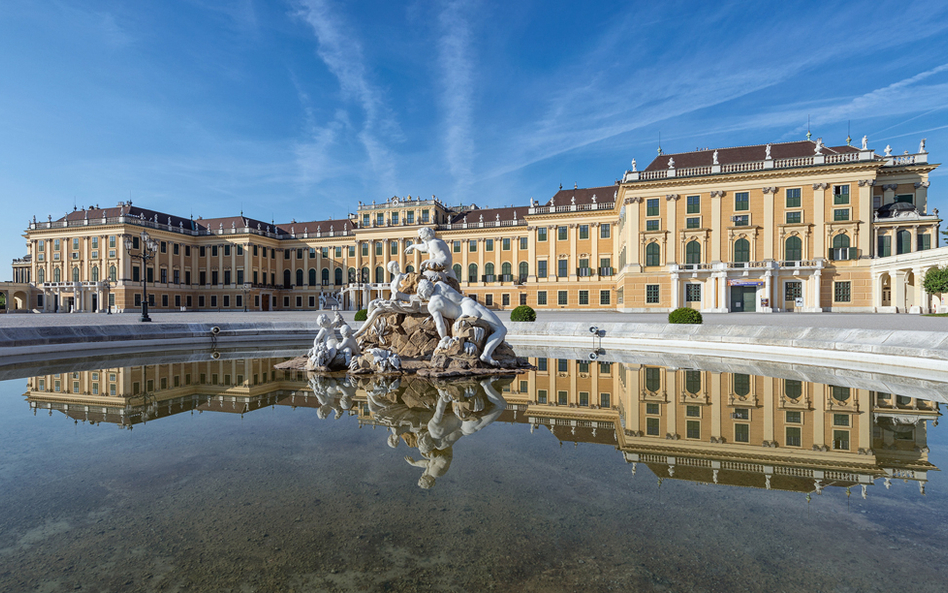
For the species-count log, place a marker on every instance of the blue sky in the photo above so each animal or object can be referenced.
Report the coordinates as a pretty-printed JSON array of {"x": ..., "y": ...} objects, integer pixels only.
[{"x": 301, "y": 108}]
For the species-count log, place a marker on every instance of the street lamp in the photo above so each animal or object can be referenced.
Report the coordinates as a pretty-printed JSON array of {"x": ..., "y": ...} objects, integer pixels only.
[
  {"x": 246, "y": 290},
  {"x": 149, "y": 248}
]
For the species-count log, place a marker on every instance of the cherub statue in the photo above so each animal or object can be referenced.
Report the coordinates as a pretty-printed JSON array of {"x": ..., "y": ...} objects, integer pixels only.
[
  {"x": 439, "y": 256},
  {"x": 444, "y": 301}
]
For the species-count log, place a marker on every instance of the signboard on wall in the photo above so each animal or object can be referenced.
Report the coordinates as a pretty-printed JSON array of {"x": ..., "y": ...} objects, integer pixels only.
[{"x": 739, "y": 282}]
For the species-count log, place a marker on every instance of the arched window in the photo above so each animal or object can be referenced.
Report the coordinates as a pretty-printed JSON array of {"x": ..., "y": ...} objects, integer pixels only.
[
  {"x": 741, "y": 384},
  {"x": 352, "y": 275},
  {"x": 379, "y": 274},
  {"x": 41, "y": 275},
  {"x": 457, "y": 271},
  {"x": 312, "y": 276},
  {"x": 506, "y": 269},
  {"x": 409, "y": 268},
  {"x": 524, "y": 270},
  {"x": 95, "y": 273},
  {"x": 325, "y": 276},
  {"x": 489, "y": 269},
  {"x": 287, "y": 279},
  {"x": 75, "y": 274},
  {"x": 299, "y": 277},
  {"x": 57, "y": 275},
  {"x": 693, "y": 382},
  {"x": 841, "y": 241},
  {"x": 903, "y": 242},
  {"x": 472, "y": 273},
  {"x": 653, "y": 254},
  {"x": 840, "y": 394},
  {"x": 693, "y": 252},
  {"x": 793, "y": 249},
  {"x": 653, "y": 379},
  {"x": 742, "y": 251},
  {"x": 338, "y": 276},
  {"x": 365, "y": 274},
  {"x": 112, "y": 273}
]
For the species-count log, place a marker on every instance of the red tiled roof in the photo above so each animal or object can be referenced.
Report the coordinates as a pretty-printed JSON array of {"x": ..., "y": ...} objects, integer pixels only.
[
  {"x": 490, "y": 214},
  {"x": 312, "y": 226},
  {"x": 583, "y": 195},
  {"x": 744, "y": 154}
]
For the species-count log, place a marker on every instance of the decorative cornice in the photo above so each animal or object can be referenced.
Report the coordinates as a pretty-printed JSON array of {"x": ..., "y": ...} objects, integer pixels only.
[
  {"x": 770, "y": 190},
  {"x": 890, "y": 186},
  {"x": 822, "y": 186},
  {"x": 865, "y": 182},
  {"x": 670, "y": 197},
  {"x": 634, "y": 200},
  {"x": 717, "y": 193},
  {"x": 920, "y": 184}
]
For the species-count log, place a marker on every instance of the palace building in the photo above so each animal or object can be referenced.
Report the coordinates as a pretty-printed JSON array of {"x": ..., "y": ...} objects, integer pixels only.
[{"x": 794, "y": 226}]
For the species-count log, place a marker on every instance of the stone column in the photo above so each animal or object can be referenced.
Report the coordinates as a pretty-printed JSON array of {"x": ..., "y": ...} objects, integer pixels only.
[
  {"x": 552, "y": 266},
  {"x": 864, "y": 214},
  {"x": 532, "y": 252},
  {"x": 573, "y": 260},
  {"x": 921, "y": 198},
  {"x": 594, "y": 252},
  {"x": 769, "y": 224},
  {"x": 714, "y": 381},
  {"x": 898, "y": 290},
  {"x": 888, "y": 195},
  {"x": 921, "y": 297},
  {"x": 633, "y": 212},
  {"x": 914, "y": 233},
  {"x": 716, "y": 227},
  {"x": 817, "y": 280},
  {"x": 819, "y": 219},
  {"x": 819, "y": 413},
  {"x": 768, "y": 397},
  {"x": 876, "y": 291},
  {"x": 675, "y": 290},
  {"x": 671, "y": 215},
  {"x": 768, "y": 293}
]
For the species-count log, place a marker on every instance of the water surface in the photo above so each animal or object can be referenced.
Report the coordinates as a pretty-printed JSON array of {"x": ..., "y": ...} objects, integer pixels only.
[{"x": 223, "y": 475}]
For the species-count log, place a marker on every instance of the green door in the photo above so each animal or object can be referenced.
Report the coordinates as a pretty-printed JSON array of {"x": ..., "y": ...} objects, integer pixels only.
[{"x": 743, "y": 299}]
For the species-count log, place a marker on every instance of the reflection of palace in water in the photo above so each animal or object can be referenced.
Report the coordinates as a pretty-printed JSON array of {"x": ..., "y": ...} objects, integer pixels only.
[{"x": 709, "y": 427}]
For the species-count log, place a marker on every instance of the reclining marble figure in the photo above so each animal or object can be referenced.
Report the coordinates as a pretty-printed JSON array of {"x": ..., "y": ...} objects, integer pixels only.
[
  {"x": 444, "y": 301},
  {"x": 399, "y": 303}
]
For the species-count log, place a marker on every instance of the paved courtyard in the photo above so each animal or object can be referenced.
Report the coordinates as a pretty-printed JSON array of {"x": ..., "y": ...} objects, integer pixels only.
[{"x": 837, "y": 320}]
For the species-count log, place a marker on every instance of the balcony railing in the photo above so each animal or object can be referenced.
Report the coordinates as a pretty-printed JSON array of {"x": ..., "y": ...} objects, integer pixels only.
[
  {"x": 135, "y": 221},
  {"x": 787, "y": 163},
  {"x": 584, "y": 272},
  {"x": 607, "y": 271}
]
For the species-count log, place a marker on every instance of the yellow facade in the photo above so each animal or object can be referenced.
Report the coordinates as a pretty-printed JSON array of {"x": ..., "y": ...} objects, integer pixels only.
[{"x": 753, "y": 233}]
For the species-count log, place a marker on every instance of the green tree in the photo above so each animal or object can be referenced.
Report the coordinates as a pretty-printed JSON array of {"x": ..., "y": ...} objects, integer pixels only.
[{"x": 936, "y": 281}]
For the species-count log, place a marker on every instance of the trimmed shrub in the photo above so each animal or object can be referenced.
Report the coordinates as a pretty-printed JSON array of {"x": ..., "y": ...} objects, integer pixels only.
[
  {"x": 361, "y": 314},
  {"x": 684, "y": 315},
  {"x": 523, "y": 313}
]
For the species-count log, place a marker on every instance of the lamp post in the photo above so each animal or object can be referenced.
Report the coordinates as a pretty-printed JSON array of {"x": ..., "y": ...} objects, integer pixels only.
[
  {"x": 149, "y": 248},
  {"x": 246, "y": 290}
]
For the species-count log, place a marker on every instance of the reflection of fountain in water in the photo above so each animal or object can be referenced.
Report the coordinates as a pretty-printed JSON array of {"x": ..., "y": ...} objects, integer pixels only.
[{"x": 428, "y": 415}]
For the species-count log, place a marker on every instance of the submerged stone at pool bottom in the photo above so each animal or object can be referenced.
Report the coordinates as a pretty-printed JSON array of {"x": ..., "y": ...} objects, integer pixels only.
[{"x": 276, "y": 498}]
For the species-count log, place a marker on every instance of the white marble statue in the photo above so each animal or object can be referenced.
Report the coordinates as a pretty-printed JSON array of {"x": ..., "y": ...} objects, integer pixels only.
[
  {"x": 888, "y": 150},
  {"x": 671, "y": 162},
  {"x": 921, "y": 146},
  {"x": 444, "y": 301},
  {"x": 399, "y": 302},
  {"x": 714, "y": 158},
  {"x": 818, "y": 149},
  {"x": 634, "y": 165},
  {"x": 767, "y": 156},
  {"x": 865, "y": 143},
  {"x": 439, "y": 256}
]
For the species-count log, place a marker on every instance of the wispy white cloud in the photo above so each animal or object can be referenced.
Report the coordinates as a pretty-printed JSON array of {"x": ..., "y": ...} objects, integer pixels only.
[
  {"x": 457, "y": 87},
  {"x": 342, "y": 54}
]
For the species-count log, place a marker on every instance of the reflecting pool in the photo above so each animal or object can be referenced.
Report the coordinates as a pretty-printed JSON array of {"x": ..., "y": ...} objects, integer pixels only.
[{"x": 220, "y": 473}]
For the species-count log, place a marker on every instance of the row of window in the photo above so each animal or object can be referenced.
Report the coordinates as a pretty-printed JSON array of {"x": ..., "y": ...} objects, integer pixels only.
[
  {"x": 395, "y": 218},
  {"x": 792, "y": 198}
]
